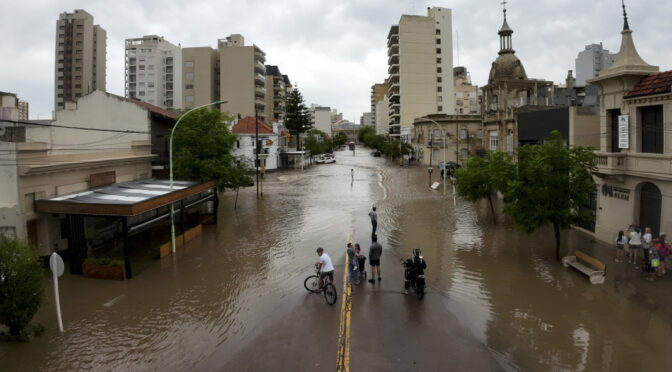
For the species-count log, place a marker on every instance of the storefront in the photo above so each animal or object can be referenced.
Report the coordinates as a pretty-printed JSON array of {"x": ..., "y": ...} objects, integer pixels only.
[{"x": 130, "y": 221}]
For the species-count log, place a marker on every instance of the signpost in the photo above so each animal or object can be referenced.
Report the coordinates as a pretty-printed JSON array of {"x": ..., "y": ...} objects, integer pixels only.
[{"x": 57, "y": 268}]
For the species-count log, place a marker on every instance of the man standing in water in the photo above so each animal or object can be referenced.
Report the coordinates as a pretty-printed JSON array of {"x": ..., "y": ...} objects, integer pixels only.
[
  {"x": 374, "y": 221},
  {"x": 375, "y": 251}
]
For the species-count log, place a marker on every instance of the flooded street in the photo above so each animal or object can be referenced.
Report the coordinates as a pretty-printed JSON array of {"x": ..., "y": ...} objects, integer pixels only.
[{"x": 199, "y": 308}]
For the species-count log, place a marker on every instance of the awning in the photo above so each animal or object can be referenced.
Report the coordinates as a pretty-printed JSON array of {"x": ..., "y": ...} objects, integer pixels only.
[{"x": 123, "y": 199}]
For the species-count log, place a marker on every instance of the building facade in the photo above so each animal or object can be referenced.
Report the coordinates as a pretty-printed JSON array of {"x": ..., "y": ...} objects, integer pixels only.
[
  {"x": 467, "y": 100},
  {"x": 451, "y": 137},
  {"x": 11, "y": 107},
  {"x": 154, "y": 71},
  {"x": 248, "y": 130},
  {"x": 276, "y": 95},
  {"x": 200, "y": 76},
  {"x": 634, "y": 164},
  {"x": 242, "y": 77},
  {"x": 378, "y": 92},
  {"x": 591, "y": 61},
  {"x": 382, "y": 118},
  {"x": 420, "y": 67},
  {"x": 80, "y": 57}
]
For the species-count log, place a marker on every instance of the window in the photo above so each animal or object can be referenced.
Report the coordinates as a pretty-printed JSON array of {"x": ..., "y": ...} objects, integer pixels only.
[
  {"x": 189, "y": 86},
  {"x": 438, "y": 60},
  {"x": 439, "y": 99},
  {"x": 141, "y": 93},
  {"x": 78, "y": 68},
  {"x": 189, "y": 64},
  {"x": 438, "y": 50},
  {"x": 438, "y": 41},
  {"x": 459, "y": 94},
  {"x": 189, "y": 75},
  {"x": 78, "y": 51},
  {"x": 60, "y": 87},
  {"x": 439, "y": 108},
  {"x": 652, "y": 129},
  {"x": 509, "y": 144},
  {"x": 78, "y": 60},
  {"x": 459, "y": 102},
  {"x": 438, "y": 70},
  {"x": 150, "y": 67},
  {"x": 494, "y": 140},
  {"x": 141, "y": 67},
  {"x": 78, "y": 85},
  {"x": 141, "y": 84},
  {"x": 438, "y": 32},
  {"x": 438, "y": 79},
  {"x": 438, "y": 89},
  {"x": 150, "y": 84},
  {"x": 189, "y": 98},
  {"x": 612, "y": 117}
]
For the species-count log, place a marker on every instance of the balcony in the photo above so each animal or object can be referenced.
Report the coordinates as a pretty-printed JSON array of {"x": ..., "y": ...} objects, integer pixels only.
[
  {"x": 616, "y": 164},
  {"x": 393, "y": 59},
  {"x": 259, "y": 79},
  {"x": 260, "y": 92},
  {"x": 393, "y": 69},
  {"x": 394, "y": 49},
  {"x": 394, "y": 98},
  {"x": 259, "y": 67}
]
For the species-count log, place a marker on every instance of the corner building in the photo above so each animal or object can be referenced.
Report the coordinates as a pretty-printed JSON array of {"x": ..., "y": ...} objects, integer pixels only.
[{"x": 634, "y": 164}]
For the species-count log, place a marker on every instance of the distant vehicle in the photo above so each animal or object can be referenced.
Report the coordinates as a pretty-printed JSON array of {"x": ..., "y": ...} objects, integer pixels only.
[
  {"x": 351, "y": 145},
  {"x": 325, "y": 159},
  {"x": 376, "y": 153}
]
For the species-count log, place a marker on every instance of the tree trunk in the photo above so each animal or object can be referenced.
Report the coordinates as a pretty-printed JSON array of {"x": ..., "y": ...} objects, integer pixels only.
[
  {"x": 556, "y": 228},
  {"x": 235, "y": 204},
  {"x": 492, "y": 209},
  {"x": 297, "y": 141}
]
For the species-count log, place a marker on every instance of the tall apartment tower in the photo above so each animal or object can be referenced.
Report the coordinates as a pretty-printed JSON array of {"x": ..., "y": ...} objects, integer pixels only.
[
  {"x": 591, "y": 61},
  {"x": 378, "y": 91},
  {"x": 80, "y": 57},
  {"x": 420, "y": 64},
  {"x": 200, "y": 75},
  {"x": 154, "y": 71},
  {"x": 242, "y": 77},
  {"x": 275, "y": 95}
]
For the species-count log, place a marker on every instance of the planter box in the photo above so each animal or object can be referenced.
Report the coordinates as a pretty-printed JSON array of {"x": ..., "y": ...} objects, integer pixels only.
[{"x": 104, "y": 271}]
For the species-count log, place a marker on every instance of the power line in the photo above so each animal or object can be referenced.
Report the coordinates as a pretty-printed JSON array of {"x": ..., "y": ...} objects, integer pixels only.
[{"x": 71, "y": 127}]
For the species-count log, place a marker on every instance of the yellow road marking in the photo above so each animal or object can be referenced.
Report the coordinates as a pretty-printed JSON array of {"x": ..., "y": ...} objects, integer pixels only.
[{"x": 343, "y": 359}]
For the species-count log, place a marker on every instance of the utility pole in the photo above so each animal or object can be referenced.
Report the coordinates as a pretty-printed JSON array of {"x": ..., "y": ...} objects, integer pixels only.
[{"x": 256, "y": 145}]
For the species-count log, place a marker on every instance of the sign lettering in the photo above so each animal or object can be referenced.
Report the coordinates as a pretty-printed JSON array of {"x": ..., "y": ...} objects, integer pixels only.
[{"x": 623, "y": 134}]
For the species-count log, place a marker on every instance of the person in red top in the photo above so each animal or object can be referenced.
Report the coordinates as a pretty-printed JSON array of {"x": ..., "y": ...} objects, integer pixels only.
[{"x": 663, "y": 248}]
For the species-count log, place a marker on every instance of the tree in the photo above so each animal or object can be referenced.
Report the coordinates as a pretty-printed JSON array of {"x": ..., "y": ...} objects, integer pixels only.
[
  {"x": 239, "y": 175},
  {"x": 297, "y": 118},
  {"x": 483, "y": 177},
  {"x": 202, "y": 147},
  {"x": 21, "y": 286},
  {"x": 340, "y": 139},
  {"x": 317, "y": 142},
  {"x": 550, "y": 184}
]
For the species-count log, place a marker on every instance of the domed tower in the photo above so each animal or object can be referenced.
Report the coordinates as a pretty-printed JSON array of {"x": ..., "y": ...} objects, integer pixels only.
[{"x": 507, "y": 66}]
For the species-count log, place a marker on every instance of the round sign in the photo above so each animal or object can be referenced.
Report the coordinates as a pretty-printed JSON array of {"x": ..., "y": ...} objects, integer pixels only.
[{"x": 56, "y": 264}]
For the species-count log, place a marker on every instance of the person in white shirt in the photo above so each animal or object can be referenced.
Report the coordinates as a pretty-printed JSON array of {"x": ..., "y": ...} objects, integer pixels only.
[
  {"x": 325, "y": 266},
  {"x": 634, "y": 244}
]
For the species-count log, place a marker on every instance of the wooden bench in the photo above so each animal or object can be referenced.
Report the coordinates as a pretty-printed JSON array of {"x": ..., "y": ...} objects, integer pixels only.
[{"x": 594, "y": 268}]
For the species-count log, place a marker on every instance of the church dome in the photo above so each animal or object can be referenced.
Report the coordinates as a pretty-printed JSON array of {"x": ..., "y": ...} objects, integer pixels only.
[{"x": 507, "y": 67}]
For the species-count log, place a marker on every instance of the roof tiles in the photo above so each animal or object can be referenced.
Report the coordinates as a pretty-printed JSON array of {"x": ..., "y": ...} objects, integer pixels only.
[{"x": 657, "y": 83}]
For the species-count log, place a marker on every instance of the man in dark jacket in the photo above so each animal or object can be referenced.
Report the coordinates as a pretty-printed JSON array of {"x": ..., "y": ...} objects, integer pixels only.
[{"x": 375, "y": 251}]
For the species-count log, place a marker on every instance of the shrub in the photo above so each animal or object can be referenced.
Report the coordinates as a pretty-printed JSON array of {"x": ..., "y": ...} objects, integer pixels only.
[{"x": 21, "y": 284}]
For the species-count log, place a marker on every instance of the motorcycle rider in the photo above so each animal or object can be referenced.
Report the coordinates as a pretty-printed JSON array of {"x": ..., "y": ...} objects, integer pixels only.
[{"x": 414, "y": 266}]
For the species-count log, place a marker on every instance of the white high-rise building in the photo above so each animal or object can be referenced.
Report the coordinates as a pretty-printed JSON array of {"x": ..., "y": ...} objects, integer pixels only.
[
  {"x": 154, "y": 71},
  {"x": 591, "y": 61},
  {"x": 420, "y": 64}
]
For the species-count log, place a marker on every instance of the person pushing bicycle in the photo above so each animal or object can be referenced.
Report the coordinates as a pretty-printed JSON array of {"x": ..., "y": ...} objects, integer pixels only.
[{"x": 325, "y": 266}]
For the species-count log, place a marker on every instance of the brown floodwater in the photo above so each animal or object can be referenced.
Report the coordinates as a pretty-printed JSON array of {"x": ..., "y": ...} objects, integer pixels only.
[{"x": 244, "y": 274}]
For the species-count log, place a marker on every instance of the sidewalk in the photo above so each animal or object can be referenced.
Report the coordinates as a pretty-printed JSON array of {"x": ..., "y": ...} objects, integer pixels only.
[{"x": 623, "y": 278}]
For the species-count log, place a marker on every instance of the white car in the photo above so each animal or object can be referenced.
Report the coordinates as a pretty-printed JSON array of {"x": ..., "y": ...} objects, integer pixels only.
[{"x": 325, "y": 159}]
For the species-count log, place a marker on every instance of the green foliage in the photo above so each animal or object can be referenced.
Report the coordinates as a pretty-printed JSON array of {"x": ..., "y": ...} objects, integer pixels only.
[
  {"x": 201, "y": 147},
  {"x": 297, "y": 117},
  {"x": 104, "y": 261},
  {"x": 340, "y": 139},
  {"x": 551, "y": 182},
  {"x": 483, "y": 177},
  {"x": 316, "y": 142},
  {"x": 391, "y": 148},
  {"x": 21, "y": 286}
]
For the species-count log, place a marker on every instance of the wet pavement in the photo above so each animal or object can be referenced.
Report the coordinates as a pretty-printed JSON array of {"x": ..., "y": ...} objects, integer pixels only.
[{"x": 233, "y": 299}]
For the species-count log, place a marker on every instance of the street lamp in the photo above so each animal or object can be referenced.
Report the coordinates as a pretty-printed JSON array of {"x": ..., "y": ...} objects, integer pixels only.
[
  {"x": 170, "y": 157},
  {"x": 445, "y": 170}
]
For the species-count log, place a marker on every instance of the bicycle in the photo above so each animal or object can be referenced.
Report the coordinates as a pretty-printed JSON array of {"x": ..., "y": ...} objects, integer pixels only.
[{"x": 312, "y": 284}]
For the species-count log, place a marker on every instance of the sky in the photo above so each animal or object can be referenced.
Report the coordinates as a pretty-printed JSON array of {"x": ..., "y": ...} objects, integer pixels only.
[{"x": 333, "y": 50}]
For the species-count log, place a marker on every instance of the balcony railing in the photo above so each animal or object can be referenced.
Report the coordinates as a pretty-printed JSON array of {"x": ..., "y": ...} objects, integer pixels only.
[{"x": 622, "y": 163}]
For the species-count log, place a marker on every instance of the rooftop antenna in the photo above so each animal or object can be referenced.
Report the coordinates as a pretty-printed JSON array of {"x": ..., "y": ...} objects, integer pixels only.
[{"x": 625, "y": 17}]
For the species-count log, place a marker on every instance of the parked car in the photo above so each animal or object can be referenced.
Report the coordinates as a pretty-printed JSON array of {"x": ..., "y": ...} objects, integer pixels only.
[
  {"x": 325, "y": 159},
  {"x": 376, "y": 153}
]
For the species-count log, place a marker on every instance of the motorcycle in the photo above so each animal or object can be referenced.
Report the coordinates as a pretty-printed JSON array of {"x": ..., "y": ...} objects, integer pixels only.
[{"x": 417, "y": 282}]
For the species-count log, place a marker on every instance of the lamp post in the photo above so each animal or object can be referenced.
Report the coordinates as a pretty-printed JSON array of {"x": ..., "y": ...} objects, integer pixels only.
[
  {"x": 445, "y": 170},
  {"x": 170, "y": 157}
]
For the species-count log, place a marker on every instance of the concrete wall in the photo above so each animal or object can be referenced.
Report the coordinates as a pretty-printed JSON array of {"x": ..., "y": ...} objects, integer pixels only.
[
  {"x": 323, "y": 119},
  {"x": 584, "y": 128},
  {"x": 382, "y": 116}
]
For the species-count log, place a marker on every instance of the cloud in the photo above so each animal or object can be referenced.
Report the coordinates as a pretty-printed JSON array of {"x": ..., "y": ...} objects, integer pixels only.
[{"x": 335, "y": 50}]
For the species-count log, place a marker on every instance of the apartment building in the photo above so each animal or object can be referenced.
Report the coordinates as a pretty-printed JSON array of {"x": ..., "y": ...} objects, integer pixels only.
[
  {"x": 420, "y": 64},
  {"x": 366, "y": 119},
  {"x": 591, "y": 61},
  {"x": 276, "y": 93},
  {"x": 154, "y": 71},
  {"x": 382, "y": 116},
  {"x": 242, "y": 77},
  {"x": 467, "y": 101},
  {"x": 321, "y": 117},
  {"x": 10, "y": 103},
  {"x": 634, "y": 173},
  {"x": 200, "y": 76},
  {"x": 80, "y": 57},
  {"x": 378, "y": 91}
]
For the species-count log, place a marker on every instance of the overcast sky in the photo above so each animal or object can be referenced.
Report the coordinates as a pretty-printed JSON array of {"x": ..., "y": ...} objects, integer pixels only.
[{"x": 334, "y": 50}]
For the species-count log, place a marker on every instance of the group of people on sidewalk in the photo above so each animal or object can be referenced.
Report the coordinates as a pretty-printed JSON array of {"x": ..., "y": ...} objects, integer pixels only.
[{"x": 655, "y": 250}]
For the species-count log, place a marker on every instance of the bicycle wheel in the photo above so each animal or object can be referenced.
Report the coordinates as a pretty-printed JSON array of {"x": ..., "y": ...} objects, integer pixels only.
[
  {"x": 330, "y": 293},
  {"x": 312, "y": 284}
]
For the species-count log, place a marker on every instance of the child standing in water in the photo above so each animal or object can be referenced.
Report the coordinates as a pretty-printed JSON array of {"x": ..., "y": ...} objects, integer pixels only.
[{"x": 621, "y": 240}]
